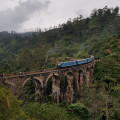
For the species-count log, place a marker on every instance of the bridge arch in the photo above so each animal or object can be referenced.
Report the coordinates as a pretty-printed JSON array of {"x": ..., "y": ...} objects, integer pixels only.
[
  {"x": 53, "y": 88},
  {"x": 38, "y": 79},
  {"x": 35, "y": 78},
  {"x": 26, "y": 81},
  {"x": 80, "y": 70},
  {"x": 50, "y": 75},
  {"x": 38, "y": 86},
  {"x": 28, "y": 90},
  {"x": 69, "y": 72}
]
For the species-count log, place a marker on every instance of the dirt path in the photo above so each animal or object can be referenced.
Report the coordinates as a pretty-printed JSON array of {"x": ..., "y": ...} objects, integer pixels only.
[{"x": 109, "y": 50}]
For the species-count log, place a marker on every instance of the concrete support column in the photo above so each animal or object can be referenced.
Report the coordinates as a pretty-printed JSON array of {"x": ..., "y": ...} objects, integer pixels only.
[
  {"x": 70, "y": 89},
  {"x": 91, "y": 72},
  {"x": 77, "y": 82},
  {"x": 38, "y": 90},
  {"x": 87, "y": 78},
  {"x": 44, "y": 90},
  {"x": 81, "y": 81},
  {"x": 55, "y": 89}
]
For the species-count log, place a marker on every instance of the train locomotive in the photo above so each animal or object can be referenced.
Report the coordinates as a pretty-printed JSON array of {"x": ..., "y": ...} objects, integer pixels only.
[{"x": 74, "y": 63}]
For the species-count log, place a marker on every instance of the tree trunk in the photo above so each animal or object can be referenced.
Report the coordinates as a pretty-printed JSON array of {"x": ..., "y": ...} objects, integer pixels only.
[{"x": 107, "y": 115}]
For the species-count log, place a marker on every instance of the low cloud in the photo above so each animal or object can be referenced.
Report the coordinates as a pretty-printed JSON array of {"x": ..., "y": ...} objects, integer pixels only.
[{"x": 13, "y": 19}]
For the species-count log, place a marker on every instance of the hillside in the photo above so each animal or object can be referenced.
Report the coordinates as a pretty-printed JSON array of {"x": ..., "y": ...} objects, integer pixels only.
[
  {"x": 45, "y": 49},
  {"x": 98, "y": 35}
]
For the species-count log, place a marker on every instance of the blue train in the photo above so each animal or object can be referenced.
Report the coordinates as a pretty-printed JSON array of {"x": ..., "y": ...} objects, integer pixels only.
[{"x": 73, "y": 63}]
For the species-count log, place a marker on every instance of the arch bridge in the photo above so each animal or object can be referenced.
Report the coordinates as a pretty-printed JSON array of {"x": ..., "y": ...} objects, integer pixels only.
[{"x": 67, "y": 83}]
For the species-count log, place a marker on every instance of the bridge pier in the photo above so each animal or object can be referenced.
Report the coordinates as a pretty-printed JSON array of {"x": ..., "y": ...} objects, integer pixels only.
[
  {"x": 70, "y": 88},
  {"x": 56, "y": 89},
  {"x": 38, "y": 90},
  {"x": 87, "y": 77}
]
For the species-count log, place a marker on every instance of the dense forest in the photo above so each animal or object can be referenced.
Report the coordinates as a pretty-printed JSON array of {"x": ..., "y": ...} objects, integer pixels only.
[{"x": 97, "y": 35}]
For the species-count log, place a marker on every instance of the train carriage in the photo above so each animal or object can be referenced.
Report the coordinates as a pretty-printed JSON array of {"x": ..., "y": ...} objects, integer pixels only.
[
  {"x": 90, "y": 59},
  {"x": 83, "y": 61},
  {"x": 77, "y": 62},
  {"x": 67, "y": 64}
]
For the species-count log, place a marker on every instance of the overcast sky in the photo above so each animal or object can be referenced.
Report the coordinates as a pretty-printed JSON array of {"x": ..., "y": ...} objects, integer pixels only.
[{"x": 27, "y": 15}]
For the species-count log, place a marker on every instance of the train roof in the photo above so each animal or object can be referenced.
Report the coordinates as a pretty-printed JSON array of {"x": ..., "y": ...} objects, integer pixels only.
[{"x": 91, "y": 56}]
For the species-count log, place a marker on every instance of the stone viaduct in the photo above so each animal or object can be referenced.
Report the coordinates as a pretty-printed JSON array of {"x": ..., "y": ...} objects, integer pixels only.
[{"x": 66, "y": 84}]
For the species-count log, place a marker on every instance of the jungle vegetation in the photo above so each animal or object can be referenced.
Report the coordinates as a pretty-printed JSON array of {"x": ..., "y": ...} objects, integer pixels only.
[{"x": 98, "y": 35}]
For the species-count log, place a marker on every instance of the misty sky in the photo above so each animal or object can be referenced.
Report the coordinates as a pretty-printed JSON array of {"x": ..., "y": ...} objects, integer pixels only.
[{"x": 27, "y": 15}]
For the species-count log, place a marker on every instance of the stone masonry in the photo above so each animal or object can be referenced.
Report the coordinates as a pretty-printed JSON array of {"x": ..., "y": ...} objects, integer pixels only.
[{"x": 67, "y": 83}]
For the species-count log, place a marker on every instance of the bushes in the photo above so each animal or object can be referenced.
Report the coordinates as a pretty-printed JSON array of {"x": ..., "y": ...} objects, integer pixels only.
[
  {"x": 116, "y": 57},
  {"x": 79, "y": 110},
  {"x": 10, "y": 106},
  {"x": 10, "y": 109},
  {"x": 82, "y": 54},
  {"x": 47, "y": 111}
]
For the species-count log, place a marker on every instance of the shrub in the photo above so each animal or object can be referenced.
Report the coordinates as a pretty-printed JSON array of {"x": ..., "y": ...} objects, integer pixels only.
[
  {"x": 79, "y": 110},
  {"x": 10, "y": 106},
  {"x": 47, "y": 111}
]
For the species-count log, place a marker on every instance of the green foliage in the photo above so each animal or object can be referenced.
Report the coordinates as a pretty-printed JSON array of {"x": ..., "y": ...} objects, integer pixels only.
[
  {"x": 107, "y": 67},
  {"x": 108, "y": 80},
  {"x": 82, "y": 54},
  {"x": 29, "y": 92},
  {"x": 49, "y": 89},
  {"x": 10, "y": 106},
  {"x": 79, "y": 110},
  {"x": 47, "y": 111},
  {"x": 22, "y": 52},
  {"x": 98, "y": 35}
]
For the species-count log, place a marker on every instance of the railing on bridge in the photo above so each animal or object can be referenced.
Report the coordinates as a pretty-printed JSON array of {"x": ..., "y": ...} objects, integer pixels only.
[{"x": 27, "y": 73}]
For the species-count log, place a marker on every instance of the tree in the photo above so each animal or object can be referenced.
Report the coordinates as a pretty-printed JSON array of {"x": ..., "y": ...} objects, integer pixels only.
[
  {"x": 79, "y": 110},
  {"x": 10, "y": 106},
  {"x": 116, "y": 11}
]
